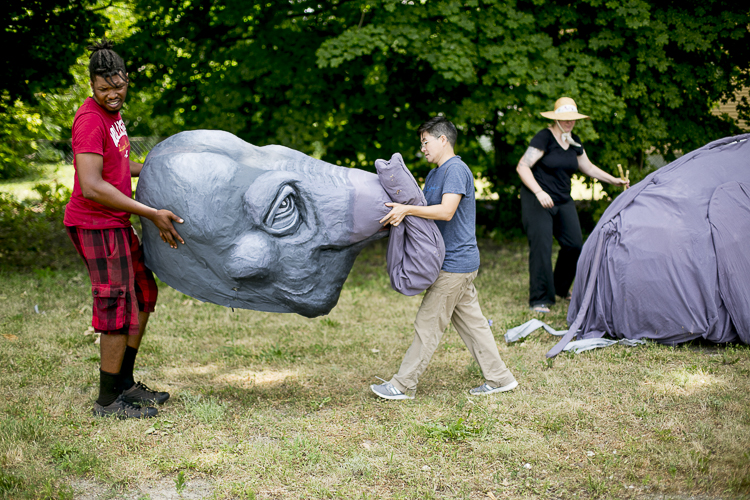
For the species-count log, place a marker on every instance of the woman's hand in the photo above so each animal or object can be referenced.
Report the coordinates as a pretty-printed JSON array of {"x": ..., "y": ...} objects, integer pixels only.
[
  {"x": 544, "y": 199},
  {"x": 396, "y": 215},
  {"x": 621, "y": 182},
  {"x": 588, "y": 168},
  {"x": 528, "y": 160}
]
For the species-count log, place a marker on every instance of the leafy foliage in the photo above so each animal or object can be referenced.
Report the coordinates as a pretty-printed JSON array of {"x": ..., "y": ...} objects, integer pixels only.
[
  {"x": 32, "y": 234},
  {"x": 351, "y": 81},
  {"x": 45, "y": 107},
  {"x": 17, "y": 123},
  {"x": 43, "y": 40}
]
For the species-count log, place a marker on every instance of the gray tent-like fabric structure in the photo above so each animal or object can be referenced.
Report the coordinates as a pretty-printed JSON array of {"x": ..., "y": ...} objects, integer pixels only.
[{"x": 669, "y": 259}]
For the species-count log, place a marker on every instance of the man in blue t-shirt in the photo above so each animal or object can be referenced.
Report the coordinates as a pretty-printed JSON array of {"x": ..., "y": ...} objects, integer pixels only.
[{"x": 449, "y": 190}]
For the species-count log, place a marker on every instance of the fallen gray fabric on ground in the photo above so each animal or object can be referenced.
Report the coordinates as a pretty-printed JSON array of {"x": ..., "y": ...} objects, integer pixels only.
[{"x": 577, "y": 346}]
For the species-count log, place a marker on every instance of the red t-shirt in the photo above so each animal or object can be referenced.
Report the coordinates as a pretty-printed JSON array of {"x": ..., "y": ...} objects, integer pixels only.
[{"x": 100, "y": 132}]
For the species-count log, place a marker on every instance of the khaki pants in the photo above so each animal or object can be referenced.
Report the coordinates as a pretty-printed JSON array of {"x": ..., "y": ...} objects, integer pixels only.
[{"x": 452, "y": 298}]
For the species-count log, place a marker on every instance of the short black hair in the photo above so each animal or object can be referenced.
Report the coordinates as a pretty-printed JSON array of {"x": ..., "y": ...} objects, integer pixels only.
[
  {"x": 105, "y": 62},
  {"x": 437, "y": 126}
]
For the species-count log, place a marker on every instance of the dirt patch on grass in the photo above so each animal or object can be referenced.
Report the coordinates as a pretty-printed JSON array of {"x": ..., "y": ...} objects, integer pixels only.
[{"x": 164, "y": 489}]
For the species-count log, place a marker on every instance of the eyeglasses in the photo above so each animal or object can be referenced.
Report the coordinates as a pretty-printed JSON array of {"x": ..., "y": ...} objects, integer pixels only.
[{"x": 423, "y": 144}]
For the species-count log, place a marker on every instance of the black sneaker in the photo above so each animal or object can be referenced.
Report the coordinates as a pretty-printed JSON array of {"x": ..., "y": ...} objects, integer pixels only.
[
  {"x": 141, "y": 394},
  {"x": 122, "y": 409}
]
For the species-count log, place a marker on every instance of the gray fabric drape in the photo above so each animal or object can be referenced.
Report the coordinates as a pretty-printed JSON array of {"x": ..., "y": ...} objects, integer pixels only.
[
  {"x": 415, "y": 249},
  {"x": 670, "y": 258}
]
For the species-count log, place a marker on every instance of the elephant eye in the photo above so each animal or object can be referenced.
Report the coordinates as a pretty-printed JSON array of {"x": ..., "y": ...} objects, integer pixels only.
[{"x": 284, "y": 216}]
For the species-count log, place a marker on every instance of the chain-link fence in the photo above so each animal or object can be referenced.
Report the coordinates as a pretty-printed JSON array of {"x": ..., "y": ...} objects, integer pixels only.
[{"x": 55, "y": 151}]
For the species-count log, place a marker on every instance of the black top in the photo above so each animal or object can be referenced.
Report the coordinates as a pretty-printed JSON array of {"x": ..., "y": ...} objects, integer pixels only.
[{"x": 554, "y": 170}]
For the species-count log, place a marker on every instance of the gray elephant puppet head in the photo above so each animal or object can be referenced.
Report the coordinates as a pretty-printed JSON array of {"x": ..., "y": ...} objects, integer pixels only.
[{"x": 266, "y": 228}]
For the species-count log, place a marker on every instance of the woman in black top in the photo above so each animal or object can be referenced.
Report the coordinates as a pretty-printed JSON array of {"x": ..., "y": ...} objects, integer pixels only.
[{"x": 552, "y": 158}]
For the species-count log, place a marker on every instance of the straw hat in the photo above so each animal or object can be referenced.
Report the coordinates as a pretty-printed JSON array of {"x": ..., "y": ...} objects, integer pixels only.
[{"x": 565, "y": 109}]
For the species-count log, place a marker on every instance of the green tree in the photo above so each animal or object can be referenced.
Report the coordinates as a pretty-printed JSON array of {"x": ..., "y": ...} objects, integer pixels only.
[
  {"x": 57, "y": 108},
  {"x": 350, "y": 80},
  {"x": 42, "y": 40}
]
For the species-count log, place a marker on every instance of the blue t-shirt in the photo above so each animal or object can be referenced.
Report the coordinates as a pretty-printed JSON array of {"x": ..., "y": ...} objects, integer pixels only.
[{"x": 459, "y": 233}]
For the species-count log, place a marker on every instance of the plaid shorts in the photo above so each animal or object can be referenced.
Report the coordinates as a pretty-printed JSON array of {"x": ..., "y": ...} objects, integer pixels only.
[{"x": 121, "y": 284}]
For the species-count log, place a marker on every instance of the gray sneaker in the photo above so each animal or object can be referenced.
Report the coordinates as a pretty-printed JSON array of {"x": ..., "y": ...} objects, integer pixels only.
[
  {"x": 386, "y": 390},
  {"x": 486, "y": 388},
  {"x": 140, "y": 393},
  {"x": 122, "y": 409}
]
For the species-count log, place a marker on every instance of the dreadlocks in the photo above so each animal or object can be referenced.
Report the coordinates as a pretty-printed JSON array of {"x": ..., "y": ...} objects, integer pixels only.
[{"x": 105, "y": 62}]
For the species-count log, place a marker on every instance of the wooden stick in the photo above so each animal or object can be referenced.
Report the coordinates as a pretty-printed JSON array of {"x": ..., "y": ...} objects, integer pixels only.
[{"x": 619, "y": 167}]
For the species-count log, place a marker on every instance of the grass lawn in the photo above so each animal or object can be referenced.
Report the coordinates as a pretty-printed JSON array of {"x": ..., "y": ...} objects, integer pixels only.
[{"x": 278, "y": 406}]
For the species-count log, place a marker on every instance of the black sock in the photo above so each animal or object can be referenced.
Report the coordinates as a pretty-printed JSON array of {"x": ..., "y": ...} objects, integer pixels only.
[
  {"x": 108, "y": 388},
  {"x": 126, "y": 372}
]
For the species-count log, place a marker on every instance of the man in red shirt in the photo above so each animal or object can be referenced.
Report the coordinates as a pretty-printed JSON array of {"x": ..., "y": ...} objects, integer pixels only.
[{"x": 98, "y": 222}]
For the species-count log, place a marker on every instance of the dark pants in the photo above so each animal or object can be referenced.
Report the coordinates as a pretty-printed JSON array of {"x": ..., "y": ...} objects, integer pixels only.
[{"x": 541, "y": 224}]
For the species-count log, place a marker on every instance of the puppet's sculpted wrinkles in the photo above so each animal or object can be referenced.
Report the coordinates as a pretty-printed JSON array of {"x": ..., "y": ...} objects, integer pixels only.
[{"x": 266, "y": 228}]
